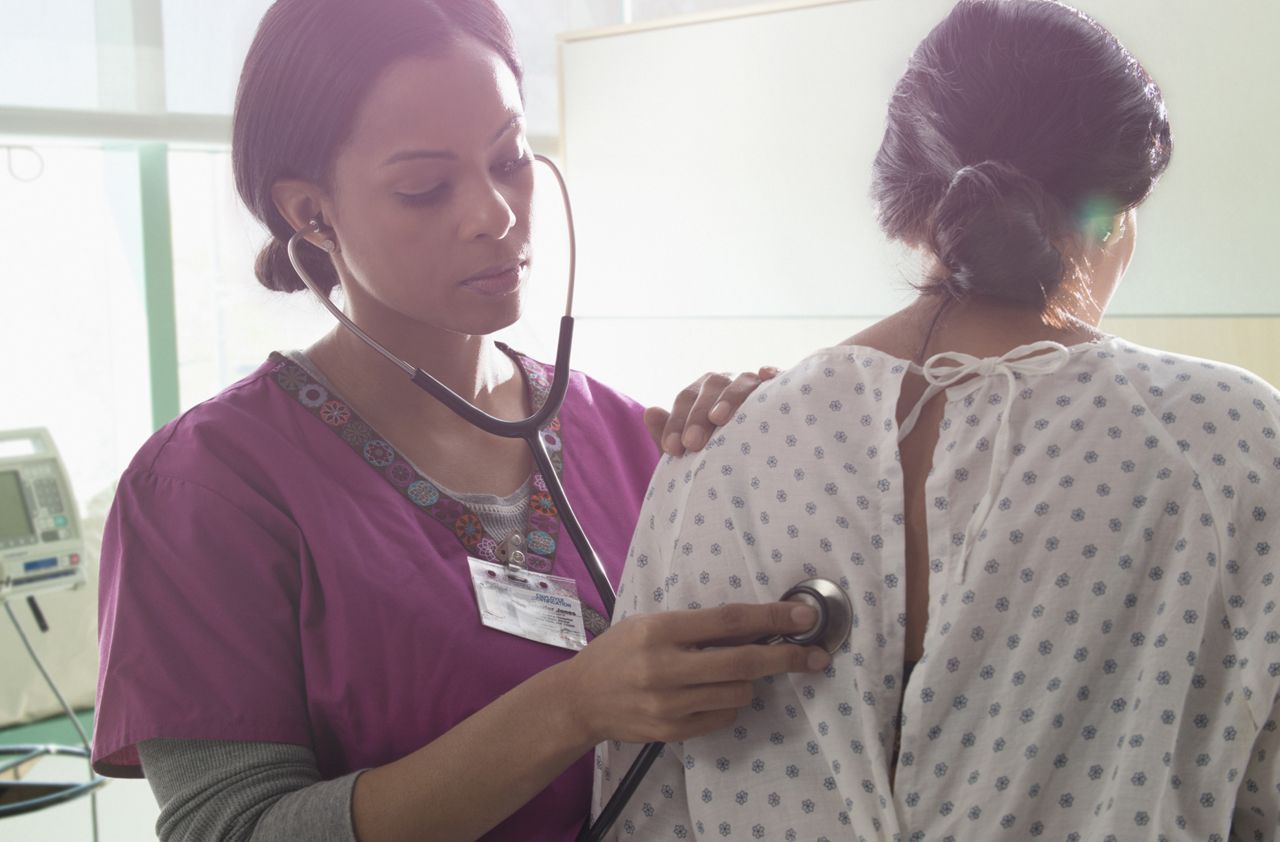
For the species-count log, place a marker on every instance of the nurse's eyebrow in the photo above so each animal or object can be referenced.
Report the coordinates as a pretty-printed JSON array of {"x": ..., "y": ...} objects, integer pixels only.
[
  {"x": 415, "y": 154},
  {"x": 515, "y": 120}
]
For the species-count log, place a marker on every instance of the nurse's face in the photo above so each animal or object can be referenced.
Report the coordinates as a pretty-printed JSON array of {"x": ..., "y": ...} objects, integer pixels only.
[{"x": 430, "y": 197}]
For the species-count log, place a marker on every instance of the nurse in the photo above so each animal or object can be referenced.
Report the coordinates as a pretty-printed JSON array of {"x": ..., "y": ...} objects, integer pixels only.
[{"x": 290, "y": 641}]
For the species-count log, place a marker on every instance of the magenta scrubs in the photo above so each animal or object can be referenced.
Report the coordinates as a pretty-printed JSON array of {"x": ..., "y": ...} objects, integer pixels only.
[{"x": 274, "y": 571}]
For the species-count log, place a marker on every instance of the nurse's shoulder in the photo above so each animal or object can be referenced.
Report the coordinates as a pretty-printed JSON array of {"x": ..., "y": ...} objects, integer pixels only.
[{"x": 247, "y": 431}]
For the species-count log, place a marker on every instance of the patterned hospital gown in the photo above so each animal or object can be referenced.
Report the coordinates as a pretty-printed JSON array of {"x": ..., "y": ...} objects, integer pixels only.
[{"x": 1102, "y": 654}]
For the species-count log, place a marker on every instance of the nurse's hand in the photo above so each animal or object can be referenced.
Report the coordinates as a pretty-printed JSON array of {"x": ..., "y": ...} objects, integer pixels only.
[
  {"x": 700, "y": 407},
  {"x": 651, "y": 677}
]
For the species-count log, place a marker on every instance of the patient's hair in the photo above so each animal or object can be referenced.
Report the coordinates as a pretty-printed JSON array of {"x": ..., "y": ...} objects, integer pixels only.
[
  {"x": 1019, "y": 128},
  {"x": 309, "y": 68}
]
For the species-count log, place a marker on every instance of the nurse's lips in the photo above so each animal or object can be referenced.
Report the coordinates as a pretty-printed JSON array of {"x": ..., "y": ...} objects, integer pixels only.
[{"x": 502, "y": 279}]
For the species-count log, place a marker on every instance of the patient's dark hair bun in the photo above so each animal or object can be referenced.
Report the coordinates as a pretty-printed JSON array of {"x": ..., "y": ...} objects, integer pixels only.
[
  {"x": 993, "y": 233},
  {"x": 1019, "y": 128}
]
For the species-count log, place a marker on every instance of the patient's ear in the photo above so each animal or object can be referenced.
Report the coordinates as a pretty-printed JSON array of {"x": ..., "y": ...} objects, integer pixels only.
[
  {"x": 1107, "y": 256},
  {"x": 1126, "y": 229},
  {"x": 1115, "y": 248}
]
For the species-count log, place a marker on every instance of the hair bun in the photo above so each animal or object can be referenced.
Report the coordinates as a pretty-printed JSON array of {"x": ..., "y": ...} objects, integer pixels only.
[
  {"x": 275, "y": 271},
  {"x": 993, "y": 232}
]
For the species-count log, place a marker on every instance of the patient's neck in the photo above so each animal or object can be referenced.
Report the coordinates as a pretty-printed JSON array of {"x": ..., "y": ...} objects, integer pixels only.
[{"x": 978, "y": 327}]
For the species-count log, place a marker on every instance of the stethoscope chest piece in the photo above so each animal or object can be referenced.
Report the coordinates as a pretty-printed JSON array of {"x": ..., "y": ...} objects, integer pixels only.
[{"x": 835, "y": 614}]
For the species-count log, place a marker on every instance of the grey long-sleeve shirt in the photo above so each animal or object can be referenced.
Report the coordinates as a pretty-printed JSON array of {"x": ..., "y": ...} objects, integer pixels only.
[
  {"x": 244, "y": 792},
  {"x": 253, "y": 792}
]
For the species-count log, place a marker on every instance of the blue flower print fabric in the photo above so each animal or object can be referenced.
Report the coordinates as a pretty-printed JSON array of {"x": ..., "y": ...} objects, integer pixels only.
[{"x": 1102, "y": 653}]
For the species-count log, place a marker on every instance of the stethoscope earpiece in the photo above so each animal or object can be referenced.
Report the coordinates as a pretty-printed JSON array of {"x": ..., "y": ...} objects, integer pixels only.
[{"x": 835, "y": 614}]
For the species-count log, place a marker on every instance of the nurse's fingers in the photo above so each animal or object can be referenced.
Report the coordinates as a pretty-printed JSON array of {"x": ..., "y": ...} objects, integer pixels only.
[
  {"x": 671, "y": 440},
  {"x": 700, "y": 407},
  {"x": 675, "y": 703},
  {"x": 734, "y": 622},
  {"x": 697, "y": 421},
  {"x": 709, "y": 707},
  {"x": 746, "y": 663},
  {"x": 700, "y": 724},
  {"x": 655, "y": 421},
  {"x": 697, "y": 710},
  {"x": 735, "y": 394},
  {"x": 667, "y": 433}
]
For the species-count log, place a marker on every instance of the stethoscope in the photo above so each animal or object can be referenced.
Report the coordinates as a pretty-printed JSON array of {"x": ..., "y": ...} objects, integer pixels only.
[{"x": 835, "y": 613}]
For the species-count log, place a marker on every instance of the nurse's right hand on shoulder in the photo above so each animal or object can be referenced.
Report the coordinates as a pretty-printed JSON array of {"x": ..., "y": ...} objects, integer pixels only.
[{"x": 680, "y": 674}]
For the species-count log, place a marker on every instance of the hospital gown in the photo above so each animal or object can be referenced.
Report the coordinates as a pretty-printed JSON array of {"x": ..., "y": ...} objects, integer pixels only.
[{"x": 1102, "y": 653}]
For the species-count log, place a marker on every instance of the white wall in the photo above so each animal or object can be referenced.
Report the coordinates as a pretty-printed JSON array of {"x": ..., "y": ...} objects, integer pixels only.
[
  {"x": 721, "y": 169},
  {"x": 730, "y": 159}
]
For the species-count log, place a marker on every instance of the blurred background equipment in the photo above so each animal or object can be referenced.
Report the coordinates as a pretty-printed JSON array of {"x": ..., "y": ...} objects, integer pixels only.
[
  {"x": 41, "y": 551},
  {"x": 41, "y": 545}
]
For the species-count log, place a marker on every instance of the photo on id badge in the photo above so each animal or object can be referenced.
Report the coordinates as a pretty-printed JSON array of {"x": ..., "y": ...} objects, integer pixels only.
[{"x": 531, "y": 605}]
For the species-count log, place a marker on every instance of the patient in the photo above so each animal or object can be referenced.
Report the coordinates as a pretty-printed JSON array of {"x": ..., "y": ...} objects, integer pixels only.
[{"x": 1055, "y": 541}]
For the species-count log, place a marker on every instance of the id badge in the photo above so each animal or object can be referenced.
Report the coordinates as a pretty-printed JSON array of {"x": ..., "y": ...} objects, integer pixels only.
[{"x": 531, "y": 605}]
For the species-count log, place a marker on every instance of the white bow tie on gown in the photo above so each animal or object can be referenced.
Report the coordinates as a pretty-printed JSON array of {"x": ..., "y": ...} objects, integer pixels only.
[{"x": 949, "y": 368}]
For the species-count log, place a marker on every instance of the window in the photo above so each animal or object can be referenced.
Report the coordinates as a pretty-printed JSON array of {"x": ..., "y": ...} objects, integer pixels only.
[
  {"x": 74, "y": 321},
  {"x": 35, "y": 36},
  {"x": 227, "y": 323},
  {"x": 204, "y": 47}
]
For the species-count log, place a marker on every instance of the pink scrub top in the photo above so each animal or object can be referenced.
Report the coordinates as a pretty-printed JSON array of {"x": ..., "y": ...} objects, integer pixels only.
[{"x": 274, "y": 571}]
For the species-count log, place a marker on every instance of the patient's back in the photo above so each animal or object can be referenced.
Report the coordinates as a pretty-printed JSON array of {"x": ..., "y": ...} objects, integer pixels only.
[{"x": 1102, "y": 639}]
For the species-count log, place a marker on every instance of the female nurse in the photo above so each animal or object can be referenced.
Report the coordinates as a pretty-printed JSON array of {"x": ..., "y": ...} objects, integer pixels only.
[{"x": 290, "y": 641}]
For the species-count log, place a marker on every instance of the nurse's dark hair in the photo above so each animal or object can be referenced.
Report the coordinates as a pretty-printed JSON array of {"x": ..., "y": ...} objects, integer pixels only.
[
  {"x": 309, "y": 68},
  {"x": 1020, "y": 129}
]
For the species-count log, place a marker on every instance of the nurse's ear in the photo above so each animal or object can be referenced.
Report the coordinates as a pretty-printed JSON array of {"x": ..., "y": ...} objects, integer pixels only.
[{"x": 300, "y": 203}]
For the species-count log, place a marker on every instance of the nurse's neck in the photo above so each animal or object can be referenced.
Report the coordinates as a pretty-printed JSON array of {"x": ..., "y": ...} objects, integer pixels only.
[{"x": 472, "y": 366}]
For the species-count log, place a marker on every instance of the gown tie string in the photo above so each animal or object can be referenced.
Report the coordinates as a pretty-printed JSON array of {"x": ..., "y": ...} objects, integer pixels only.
[{"x": 948, "y": 369}]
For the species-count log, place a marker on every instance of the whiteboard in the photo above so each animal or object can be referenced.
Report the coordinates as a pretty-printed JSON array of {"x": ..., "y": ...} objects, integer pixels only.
[{"x": 721, "y": 165}]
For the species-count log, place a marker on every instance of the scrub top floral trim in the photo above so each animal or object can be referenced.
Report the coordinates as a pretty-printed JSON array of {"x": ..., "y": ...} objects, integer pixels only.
[{"x": 543, "y": 531}]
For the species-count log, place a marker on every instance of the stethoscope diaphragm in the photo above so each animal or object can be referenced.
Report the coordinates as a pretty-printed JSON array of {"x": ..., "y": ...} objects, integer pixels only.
[{"x": 835, "y": 614}]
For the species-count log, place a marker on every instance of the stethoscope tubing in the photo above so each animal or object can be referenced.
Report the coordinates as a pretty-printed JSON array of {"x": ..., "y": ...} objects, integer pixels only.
[
  {"x": 542, "y": 460},
  {"x": 530, "y": 430},
  {"x": 595, "y": 831}
]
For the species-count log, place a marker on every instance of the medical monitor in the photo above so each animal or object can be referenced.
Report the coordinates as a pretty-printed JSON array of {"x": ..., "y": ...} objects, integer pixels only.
[
  {"x": 15, "y": 520},
  {"x": 41, "y": 543}
]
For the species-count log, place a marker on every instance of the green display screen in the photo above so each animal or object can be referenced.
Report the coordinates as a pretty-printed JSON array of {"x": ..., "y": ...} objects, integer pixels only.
[{"x": 15, "y": 522}]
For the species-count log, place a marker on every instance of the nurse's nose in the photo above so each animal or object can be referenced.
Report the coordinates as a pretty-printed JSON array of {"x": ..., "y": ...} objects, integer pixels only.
[{"x": 487, "y": 214}]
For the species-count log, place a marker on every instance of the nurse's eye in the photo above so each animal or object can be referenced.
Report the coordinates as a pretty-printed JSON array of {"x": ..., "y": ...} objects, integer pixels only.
[
  {"x": 514, "y": 165},
  {"x": 426, "y": 198}
]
